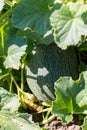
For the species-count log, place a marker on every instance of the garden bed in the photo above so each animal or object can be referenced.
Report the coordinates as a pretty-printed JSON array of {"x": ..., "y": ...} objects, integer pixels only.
[{"x": 43, "y": 65}]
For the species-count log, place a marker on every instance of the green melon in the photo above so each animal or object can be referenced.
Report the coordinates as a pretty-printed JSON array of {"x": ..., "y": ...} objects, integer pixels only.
[{"x": 46, "y": 65}]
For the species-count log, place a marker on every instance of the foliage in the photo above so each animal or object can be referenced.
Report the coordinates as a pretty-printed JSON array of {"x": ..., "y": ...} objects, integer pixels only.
[
  {"x": 25, "y": 24},
  {"x": 18, "y": 121},
  {"x": 14, "y": 55},
  {"x": 10, "y": 118},
  {"x": 71, "y": 97},
  {"x": 8, "y": 102},
  {"x": 41, "y": 73},
  {"x": 39, "y": 15},
  {"x": 68, "y": 24}
]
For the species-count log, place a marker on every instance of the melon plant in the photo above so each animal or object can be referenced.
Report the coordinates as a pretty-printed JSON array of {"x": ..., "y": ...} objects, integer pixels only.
[
  {"x": 45, "y": 65},
  {"x": 49, "y": 62},
  {"x": 40, "y": 47}
]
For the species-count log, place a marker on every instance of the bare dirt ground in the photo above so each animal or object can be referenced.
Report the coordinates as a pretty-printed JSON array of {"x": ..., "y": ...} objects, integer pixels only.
[{"x": 57, "y": 125}]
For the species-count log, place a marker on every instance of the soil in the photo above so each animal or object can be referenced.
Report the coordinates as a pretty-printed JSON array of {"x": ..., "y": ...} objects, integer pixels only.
[{"x": 57, "y": 125}]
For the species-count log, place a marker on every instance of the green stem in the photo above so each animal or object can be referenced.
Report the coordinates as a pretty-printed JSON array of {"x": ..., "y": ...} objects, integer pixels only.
[
  {"x": 24, "y": 97},
  {"x": 17, "y": 86},
  {"x": 2, "y": 39},
  {"x": 22, "y": 71},
  {"x": 47, "y": 120},
  {"x": 22, "y": 77},
  {"x": 47, "y": 104},
  {"x": 19, "y": 90},
  {"x": 5, "y": 17},
  {"x": 47, "y": 114},
  {"x": 9, "y": 3},
  {"x": 5, "y": 75},
  {"x": 10, "y": 88},
  {"x": 16, "y": 1}
]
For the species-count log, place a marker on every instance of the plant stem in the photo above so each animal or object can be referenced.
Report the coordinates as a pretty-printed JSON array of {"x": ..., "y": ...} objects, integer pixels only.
[
  {"x": 43, "y": 110},
  {"x": 24, "y": 97},
  {"x": 47, "y": 114},
  {"x": 5, "y": 17},
  {"x": 1, "y": 77},
  {"x": 22, "y": 77},
  {"x": 47, "y": 104},
  {"x": 47, "y": 120},
  {"x": 2, "y": 39},
  {"x": 22, "y": 71},
  {"x": 10, "y": 88},
  {"x": 17, "y": 86},
  {"x": 9, "y": 3}
]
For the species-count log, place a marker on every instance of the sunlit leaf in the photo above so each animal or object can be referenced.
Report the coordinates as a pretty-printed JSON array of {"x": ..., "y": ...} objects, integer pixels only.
[
  {"x": 8, "y": 101},
  {"x": 71, "y": 97},
  {"x": 1, "y": 4},
  {"x": 68, "y": 24},
  {"x": 20, "y": 121},
  {"x": 14, "y": 55},
  {"x": 11, "y": 37}
]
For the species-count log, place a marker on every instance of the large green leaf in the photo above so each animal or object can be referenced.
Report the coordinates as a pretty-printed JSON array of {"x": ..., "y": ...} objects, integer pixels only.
[
  {"x": 10, "y": 119},
  {"x": 33, "y": 14},
  {"x": 71, "y": 97},
  {"x": 34, "y": 37},
  {"x": 8, "y": 101},
  {"x": 11, "y": 37},
  {"x": 20, "y": 121},
  {"x": 68, "y": 24},
  {"x": 14, "y": 55}
]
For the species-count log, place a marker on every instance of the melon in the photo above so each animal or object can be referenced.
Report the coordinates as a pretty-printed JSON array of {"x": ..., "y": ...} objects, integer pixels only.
[{"x": 45, "y": 65}]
